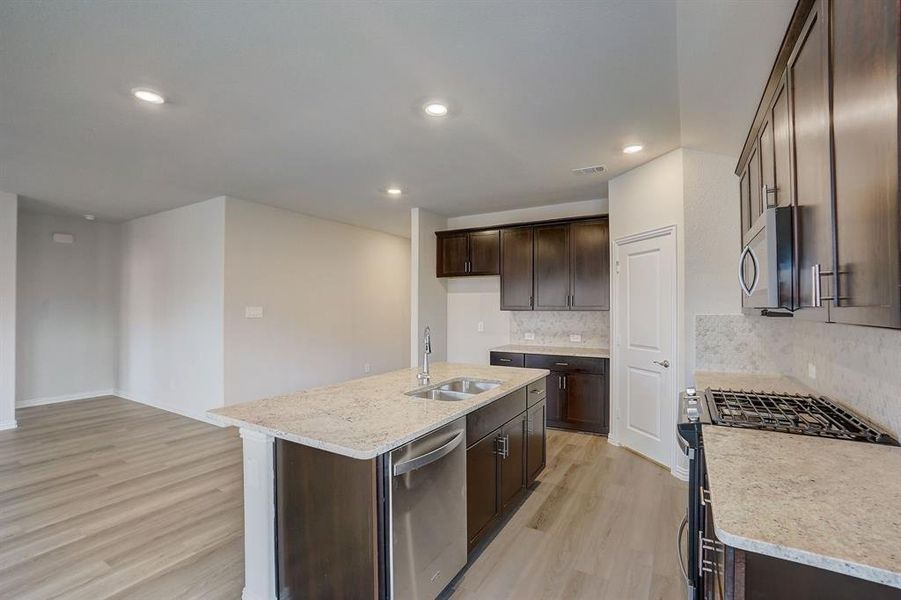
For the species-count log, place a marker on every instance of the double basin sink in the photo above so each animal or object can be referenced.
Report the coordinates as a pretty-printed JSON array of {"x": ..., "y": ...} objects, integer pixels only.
[{"x": 460, "y": 388}]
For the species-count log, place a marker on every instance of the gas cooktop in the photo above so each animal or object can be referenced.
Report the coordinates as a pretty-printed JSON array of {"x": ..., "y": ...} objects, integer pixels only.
[{"x": 791, "y": 413}]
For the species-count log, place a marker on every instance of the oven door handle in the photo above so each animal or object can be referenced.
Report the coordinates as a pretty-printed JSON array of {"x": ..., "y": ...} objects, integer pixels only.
[{"x": 679, "y": 539}]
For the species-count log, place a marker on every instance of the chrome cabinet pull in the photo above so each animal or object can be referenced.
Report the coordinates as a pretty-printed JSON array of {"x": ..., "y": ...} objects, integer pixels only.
[
  {"x": 561, "y": 364},
  {"x": 505, "y": 360},
  {"x": 765, "y": 192},
  {"x": 564, "y": 382},
  {"x": 816, "y": 276}
]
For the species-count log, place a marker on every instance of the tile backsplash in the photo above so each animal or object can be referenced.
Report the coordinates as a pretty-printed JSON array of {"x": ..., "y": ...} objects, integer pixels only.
[
  {"x": 553, "y": 328},
  {"x": 859, "y": 366}
]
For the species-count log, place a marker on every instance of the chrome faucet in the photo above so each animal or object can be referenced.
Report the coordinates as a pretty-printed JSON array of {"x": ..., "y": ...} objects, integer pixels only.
[{"x": 427, "y": 349}]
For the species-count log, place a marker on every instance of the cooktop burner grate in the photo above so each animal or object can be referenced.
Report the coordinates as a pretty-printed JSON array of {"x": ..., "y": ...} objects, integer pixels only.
[{"x": 791, "y": 413}]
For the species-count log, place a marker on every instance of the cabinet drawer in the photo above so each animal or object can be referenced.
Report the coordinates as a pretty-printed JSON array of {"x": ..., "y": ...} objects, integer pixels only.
[
  {"x": 537, "y": 392},
  {"x": 507, "y": 359},
  {"x": 567, "y": 364},
  {"x": 488, "y": 418}
]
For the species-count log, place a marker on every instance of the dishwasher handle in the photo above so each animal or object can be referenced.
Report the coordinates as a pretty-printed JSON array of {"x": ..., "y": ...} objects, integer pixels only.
[{"x": 429, "y": 457}]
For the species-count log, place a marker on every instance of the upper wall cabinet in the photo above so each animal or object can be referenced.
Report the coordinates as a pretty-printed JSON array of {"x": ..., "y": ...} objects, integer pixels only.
[
  {"x": 463, "y": 253},
  {"x": 555, "y": 265},
  {"x": 825, "y": 143}
]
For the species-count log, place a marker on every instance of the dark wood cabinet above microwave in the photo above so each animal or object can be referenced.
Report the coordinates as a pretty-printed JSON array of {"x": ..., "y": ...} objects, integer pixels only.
[
  {"x": 551, "y": 265},
  {"x": 825, "y": 142}
]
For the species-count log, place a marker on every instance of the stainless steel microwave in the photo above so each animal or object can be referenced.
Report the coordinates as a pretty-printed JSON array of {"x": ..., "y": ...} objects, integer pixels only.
[{"x": 766, "y": 263}]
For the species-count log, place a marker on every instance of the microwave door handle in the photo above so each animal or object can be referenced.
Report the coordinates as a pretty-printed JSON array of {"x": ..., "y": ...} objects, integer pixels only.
[
  {"x": 756, "y": 263},
  {"x": 741, "y": 270}
]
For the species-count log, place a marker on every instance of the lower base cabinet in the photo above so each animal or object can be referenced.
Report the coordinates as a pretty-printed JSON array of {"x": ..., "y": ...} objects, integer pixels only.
[{"x": 502, "y": 463}]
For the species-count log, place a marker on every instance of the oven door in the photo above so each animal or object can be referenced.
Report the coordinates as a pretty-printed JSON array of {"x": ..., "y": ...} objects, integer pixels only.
[
  {"x": 711, "y": 554},
  {"x": 765, "y": 265},
  {"x": 688, "y": 436}
]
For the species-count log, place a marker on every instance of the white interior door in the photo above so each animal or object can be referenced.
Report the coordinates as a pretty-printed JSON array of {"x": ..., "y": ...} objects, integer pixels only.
[{"x": 646, "y": 343}]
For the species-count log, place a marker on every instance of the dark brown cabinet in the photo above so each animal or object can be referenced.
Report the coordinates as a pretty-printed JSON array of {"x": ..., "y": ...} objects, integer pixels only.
[
  {"x": 577, "y": 394},
  {"x": 503, "y": 456},
  {"x": 516, "y": 268},
  {"x": 552, "y": 264},
  {"x": 590, "y": 248},
  {"x": 865, "y": 72},
  {"x": 481, "y": 488},
  {"x": 511, "y": 461},
  {"x": 812, "y": 150},
  {"x": 463, "y": 253},
  {"x": 536, "y": 441}
]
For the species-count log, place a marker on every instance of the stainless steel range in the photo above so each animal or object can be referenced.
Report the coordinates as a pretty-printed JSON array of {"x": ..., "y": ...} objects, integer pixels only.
[{"x": 786, "y": 413}]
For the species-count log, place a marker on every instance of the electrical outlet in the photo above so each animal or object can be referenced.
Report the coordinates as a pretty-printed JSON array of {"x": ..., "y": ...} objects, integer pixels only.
[
  {"x": 575, "y": 337},
  {"x": 253, "y": 312},
  {"x": 367, "y": 367},
  {"x": 811, "y": 370},
  {"x": 529, "y": 336},
  {"x": 480, "y": 327}
]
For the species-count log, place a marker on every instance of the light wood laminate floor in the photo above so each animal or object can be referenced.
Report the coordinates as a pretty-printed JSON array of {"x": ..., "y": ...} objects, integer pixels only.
[
  {"x": 106, "y": 498},
  {"x": 601, "y": 524}
]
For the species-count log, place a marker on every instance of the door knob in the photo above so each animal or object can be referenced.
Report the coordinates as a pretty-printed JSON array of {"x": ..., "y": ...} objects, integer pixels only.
[{"x": 662, "y": 363}]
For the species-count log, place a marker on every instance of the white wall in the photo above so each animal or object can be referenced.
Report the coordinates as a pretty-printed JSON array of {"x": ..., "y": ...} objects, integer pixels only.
[
  {"x": 335, "y": 297},
  {"x": 428, "y": 293},
  {"x": 172, "y": 297},
  {"x": 471, "y": 300},
  {"x": 711, "y": 242},
  {"x": 68, "y": 309},
  {"x": 9, "y": 208}
]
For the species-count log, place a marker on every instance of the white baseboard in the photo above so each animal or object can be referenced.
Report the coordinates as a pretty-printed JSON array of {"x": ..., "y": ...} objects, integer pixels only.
[
  {"x": 680, "y": 472},
  {"x": 199, "y": 416},
  {"x": 64, "y": 398},
  {"x": 10, "y": 424}
]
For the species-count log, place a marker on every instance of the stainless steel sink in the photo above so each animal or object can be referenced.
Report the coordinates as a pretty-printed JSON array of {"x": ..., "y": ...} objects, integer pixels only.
[{"x": 455, "y": 389}]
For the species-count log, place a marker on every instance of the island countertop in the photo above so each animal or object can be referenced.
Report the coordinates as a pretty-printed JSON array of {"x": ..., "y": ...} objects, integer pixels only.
[{"x": 364, "y": 418}]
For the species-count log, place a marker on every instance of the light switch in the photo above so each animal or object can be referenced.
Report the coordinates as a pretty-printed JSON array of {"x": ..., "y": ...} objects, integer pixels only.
[
  {"x": 253, "y": 312},
  {"x": 811, "y": 370},
  {"x": 480, "y": 327},
  {"x": 367, "y": 367},
  {"x": 575, "y": 337}
]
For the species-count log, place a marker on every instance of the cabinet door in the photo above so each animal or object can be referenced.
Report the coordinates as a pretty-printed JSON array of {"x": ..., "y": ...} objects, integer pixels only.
[
  {"x": 555, "y": 398},
  {"x": 586, "y": 402},
  {"x": 745, "y": 196},
  {"x": 865, "y": 141},
  {"x": 453, "y": 254},
  {"x": 535, "y": 441},
  {"x": 754, "y": 188},
  {"x": 512, "y": 462},
  {"x": 516, "y": 268},
  {"x": 552, "y": 261},
  {"x": 781, "y": 195},
  {"x": 481, "y": 486},
  {"x": 767, "y": 163},
  {"x": 484, "y": 252},
  {"x": 590, "y": 265},
  {"x": 810, "y": 140}
]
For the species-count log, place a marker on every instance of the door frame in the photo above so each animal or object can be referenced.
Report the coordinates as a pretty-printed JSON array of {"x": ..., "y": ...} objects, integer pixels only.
[{"x": 617, "y": 402}]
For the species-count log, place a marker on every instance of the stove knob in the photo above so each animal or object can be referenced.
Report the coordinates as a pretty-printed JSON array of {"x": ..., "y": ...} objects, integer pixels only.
[
  {"x": 693, "y": 414},
  {"x": 691, "y": 392}
]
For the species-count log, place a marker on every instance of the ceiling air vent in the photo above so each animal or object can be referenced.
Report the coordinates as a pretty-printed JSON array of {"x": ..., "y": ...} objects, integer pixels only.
[{"x": 593, "y": 170}]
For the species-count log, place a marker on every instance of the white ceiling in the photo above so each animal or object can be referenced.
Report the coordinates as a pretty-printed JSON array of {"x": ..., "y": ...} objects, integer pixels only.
[{"x": 313, "y": 106}]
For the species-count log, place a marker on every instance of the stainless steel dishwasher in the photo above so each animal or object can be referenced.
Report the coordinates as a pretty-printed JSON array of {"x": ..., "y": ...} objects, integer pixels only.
[{"x": 428, "y": 512}]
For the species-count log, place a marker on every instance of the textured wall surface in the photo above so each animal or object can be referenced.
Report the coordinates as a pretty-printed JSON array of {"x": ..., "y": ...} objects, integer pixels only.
[
  {"x": 860, "y": 366},
  {"x": 553, "y": 328}
]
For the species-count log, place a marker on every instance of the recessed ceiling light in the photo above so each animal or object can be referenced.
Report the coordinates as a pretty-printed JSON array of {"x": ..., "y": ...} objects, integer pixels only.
[
  {"x": 90, "y": 217},
  {"x": 435, "y": 109},
  {"x": 393, "y": 191},
  {"x": 148, "y": 95},
  {"x": 632, "y": 149}
]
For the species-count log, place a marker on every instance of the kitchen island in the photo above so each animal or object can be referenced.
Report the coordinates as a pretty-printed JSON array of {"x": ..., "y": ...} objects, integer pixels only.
[{"x": 318, "y": 470}]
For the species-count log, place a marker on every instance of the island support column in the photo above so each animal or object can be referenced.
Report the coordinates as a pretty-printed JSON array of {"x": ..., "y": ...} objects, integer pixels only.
[{"x": 259, "y": 516}]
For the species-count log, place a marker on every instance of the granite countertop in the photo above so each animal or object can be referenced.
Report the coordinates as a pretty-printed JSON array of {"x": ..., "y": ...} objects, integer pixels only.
[
  {"x": 580, "y": 351},
  {"x": 366, "y": 417},
  {"x": 831, "y": 504}
]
